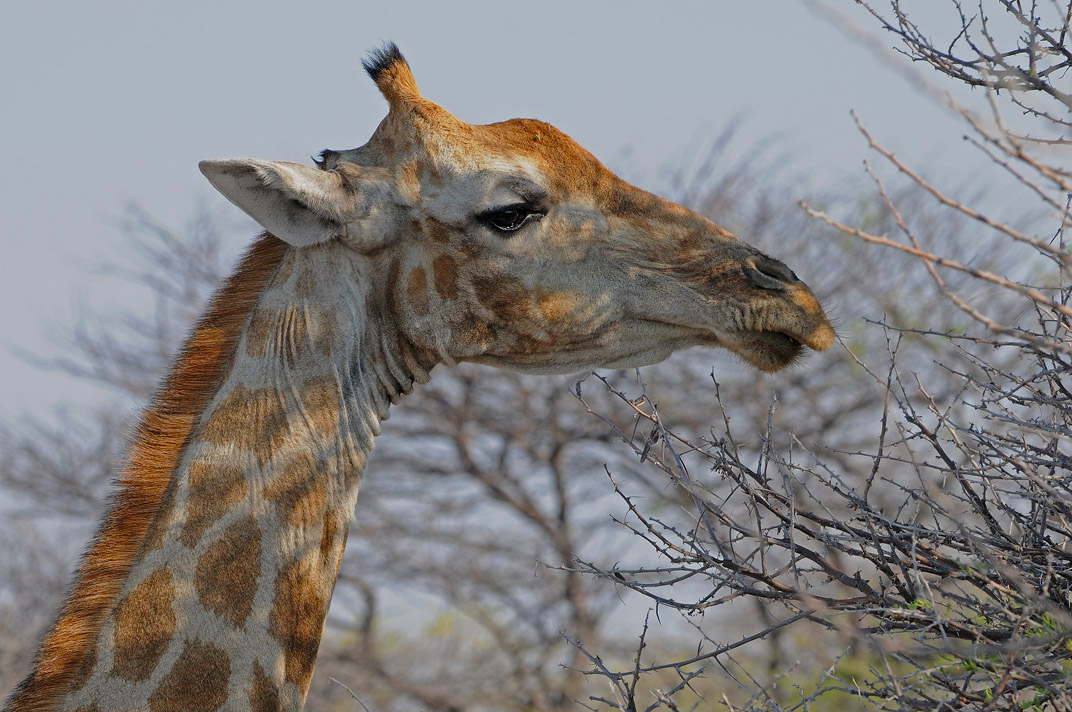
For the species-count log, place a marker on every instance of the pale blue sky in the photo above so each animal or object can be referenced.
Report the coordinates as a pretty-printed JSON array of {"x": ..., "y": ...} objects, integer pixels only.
[{"x": 110, "y": 102}]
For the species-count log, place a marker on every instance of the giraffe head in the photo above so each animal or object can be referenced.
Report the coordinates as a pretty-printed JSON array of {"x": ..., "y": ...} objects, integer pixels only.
[{"x": 509, "y": 244}]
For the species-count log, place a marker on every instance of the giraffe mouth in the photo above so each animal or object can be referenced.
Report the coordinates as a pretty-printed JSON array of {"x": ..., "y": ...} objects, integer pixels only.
[
  {"x": 775, "y": 350},
  {"x": 767, "y": 350}
]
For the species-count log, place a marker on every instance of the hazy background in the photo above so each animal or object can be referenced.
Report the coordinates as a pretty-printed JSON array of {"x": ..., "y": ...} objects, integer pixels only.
[
  {"x": 461, "y": 571},
  {"x": 111, "y": 103}
]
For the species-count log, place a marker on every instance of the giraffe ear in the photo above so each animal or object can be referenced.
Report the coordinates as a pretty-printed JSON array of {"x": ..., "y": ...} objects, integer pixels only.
[{"x": 296, "y": 203}]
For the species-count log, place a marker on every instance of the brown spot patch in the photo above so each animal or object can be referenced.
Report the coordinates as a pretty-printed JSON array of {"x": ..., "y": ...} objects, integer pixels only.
[
  {"x": 88, "y": 708},
  {"x": 306, "y": 505},
  {"x": 226, "y": 574},
  {"x": 417, "y": 290},
  {"x": 248, "y": 420},
  {"x": 446, "y": 276},
  {"x": 556, "y": 305},
  {"x": 297, "y": 618},
  {"x": 196, "y": 683},
  {"x": 393, "y": 270},
  {"x": 514, "y": 315},
  {"x": 214, "y": 491},
  {"x": 297, "y": 473},
  {"x": 474, "y": 331},
  {"x": 470, "y": 248},
  {"x": 415, "y": 227},
  {"x": 299, "y": 493},
  {"x": 506, "y": 296},
  {"x": 144, "y": 625},
  {"x": 437, "y": 230},
  {"x": 320, "y": 405},
  {"x": 333, "y": 542},
  {"x": 264, "y": 697},
  {"x": 327, "y": 538}
]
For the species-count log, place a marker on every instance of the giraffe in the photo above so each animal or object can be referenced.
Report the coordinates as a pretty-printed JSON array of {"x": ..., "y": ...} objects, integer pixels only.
[{"x": 437, "y": 242}]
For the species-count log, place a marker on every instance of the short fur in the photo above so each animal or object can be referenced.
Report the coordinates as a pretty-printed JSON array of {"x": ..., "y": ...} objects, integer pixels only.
[{"x": 156, "y": 447}]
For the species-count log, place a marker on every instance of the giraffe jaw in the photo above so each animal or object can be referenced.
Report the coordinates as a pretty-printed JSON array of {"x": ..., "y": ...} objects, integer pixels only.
[{"x": 767, "y": 351}]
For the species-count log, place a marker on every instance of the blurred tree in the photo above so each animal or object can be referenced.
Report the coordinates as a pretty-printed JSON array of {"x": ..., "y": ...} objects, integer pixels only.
[{"x": 927, "y": 569}]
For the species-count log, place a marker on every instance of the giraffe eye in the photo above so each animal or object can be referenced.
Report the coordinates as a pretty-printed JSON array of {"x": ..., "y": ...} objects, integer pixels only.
[{"x": 510, "y": 218}]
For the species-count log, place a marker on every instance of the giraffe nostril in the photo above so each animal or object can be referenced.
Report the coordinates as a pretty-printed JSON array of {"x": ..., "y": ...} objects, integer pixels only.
[
  {"x": 768, "y": 273},
  {"x": 776, "y": 268}
]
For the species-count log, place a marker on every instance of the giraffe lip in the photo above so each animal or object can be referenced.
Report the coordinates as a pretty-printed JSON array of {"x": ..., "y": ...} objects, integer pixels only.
[
  {"x": 792, "y": 339},
  {"x": 779, "y": 338},
  {"x": 766, "y": 350},
  {"x": 819, "y": 338}
]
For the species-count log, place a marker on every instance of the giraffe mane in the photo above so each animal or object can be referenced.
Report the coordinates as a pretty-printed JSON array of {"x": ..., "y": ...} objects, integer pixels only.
[{"x": 155, "y": 451}]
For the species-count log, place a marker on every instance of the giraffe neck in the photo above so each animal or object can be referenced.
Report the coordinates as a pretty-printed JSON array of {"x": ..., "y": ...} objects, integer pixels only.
[{"x": 225, "y": 603}]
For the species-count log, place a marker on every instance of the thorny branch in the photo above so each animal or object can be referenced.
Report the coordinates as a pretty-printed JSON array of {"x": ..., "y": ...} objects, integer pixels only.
[{"x": 942, "y": 554}]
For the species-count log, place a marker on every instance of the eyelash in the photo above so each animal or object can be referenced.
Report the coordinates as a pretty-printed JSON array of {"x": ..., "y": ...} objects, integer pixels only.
[{"x": 510, "y": 218}]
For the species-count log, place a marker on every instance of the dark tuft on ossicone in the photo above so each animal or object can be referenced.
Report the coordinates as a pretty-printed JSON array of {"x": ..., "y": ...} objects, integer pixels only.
[{"x": 382, "y": 59}]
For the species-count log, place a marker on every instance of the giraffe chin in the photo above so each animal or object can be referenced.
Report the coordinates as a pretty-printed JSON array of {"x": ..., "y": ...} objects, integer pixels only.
[{"x": 767, "y": 350}]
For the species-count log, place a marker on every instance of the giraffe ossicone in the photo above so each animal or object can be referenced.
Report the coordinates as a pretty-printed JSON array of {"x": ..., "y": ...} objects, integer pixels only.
[{"x": 207, "y": 585}]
